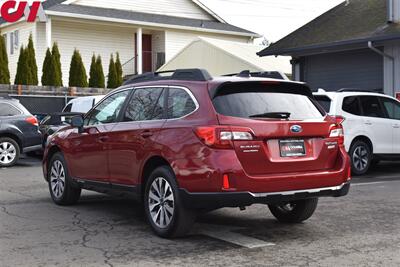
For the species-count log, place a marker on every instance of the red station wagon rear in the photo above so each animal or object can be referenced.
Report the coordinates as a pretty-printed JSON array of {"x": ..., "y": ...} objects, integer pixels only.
[{"x": 188, "y": 143}]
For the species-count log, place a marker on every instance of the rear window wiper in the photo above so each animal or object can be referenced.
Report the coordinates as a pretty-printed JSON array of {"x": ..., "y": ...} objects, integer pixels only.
[{"x": 273, "y": 115}]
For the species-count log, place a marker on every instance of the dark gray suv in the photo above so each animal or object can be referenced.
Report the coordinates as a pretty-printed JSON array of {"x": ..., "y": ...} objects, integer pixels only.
[{"x": 19, "y": 131}]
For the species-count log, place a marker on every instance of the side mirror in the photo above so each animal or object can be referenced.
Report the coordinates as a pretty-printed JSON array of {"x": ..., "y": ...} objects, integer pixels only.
[{"x": 77, "y": 122}]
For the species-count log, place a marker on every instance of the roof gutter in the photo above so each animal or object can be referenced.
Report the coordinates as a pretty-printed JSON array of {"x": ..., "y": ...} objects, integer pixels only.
[{"x": 383, "y": 54}]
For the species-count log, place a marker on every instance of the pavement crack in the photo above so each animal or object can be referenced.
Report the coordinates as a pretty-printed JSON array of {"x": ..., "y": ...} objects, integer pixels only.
[{"x": 4, "y": 210}]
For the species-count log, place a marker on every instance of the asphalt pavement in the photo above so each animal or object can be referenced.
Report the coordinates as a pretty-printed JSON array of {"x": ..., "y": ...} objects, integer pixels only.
[{"x": 361, "y": 229}]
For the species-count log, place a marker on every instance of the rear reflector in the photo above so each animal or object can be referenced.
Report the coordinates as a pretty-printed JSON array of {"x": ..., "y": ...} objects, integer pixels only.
[
  {"x": 32, "y": 120},
  {"x": 225, "y": 182}
]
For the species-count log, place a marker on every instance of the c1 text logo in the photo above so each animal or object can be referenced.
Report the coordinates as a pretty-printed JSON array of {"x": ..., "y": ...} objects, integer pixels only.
[{"x": 11, "y": 13}]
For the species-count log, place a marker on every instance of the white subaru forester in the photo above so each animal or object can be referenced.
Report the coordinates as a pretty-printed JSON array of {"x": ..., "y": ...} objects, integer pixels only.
[{"x": 371, "y": 125}]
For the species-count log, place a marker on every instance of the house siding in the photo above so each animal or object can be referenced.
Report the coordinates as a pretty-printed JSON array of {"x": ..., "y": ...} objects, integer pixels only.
[
  {"x": 361, "y": 69},
  {"x": 178, "y": 8},
  {"x": 25, "y": 29},
  {"x": 93, "y": 38},
  {"x": 177, "y": 40}
]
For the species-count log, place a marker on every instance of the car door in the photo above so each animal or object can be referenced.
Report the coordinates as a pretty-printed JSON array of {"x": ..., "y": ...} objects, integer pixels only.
[
  {"x": 377, "y": 124},
  {"x": 392, "y": 108},
  {"x": 88, "y": 151},
  {"x": 133, "y": 138}
]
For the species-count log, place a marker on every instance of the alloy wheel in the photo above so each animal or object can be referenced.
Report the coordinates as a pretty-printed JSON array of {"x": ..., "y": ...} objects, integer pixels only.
[
  {"x": 360, "y": 158},
  {"x": 288, "y": 207},
  {"x": 57, "y": 179},
  {"x": 8, "y": 153},
  {"x": 161, "y": 202}
]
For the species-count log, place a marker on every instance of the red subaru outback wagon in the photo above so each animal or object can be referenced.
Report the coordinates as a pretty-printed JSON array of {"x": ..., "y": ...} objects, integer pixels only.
[{"x": 189, "y": 143}]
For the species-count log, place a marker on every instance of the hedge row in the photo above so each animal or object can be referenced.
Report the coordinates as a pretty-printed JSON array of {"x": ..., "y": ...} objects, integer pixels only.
[{"x": 52, "y": 74}]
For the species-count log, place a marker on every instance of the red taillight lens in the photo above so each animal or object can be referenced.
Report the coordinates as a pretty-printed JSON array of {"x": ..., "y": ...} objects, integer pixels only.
[
  {"x": 222, "y": 137},
  {"x": 337, "y": 133},
  {"x": 32, "y": 120},
  {"x": 225, "y": 182}
]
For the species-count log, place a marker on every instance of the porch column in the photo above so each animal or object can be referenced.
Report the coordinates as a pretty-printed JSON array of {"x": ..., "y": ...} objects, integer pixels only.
[
  {"x": 139, "y": 49},
  {"x": 48, "y": 32}
]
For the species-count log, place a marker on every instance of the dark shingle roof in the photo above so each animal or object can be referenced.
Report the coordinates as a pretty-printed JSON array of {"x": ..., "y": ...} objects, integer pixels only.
[
  {"x": 357, "y": 21},
  {"x": 147, "y": 17},
  {"x": 56, "y": 5}
]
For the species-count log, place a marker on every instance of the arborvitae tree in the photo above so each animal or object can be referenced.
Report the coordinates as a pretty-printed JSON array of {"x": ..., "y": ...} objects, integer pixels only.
[
  {"x": 77, "y": 72},
  {"x": 31, "y": 61},
  {"x": 100, "y": 73},
  {"x": 112, "y": 74},
  {"x": 118, "y": 67},
  {"x": 57, "y": 61},
  {"x": 50, "y": 75},
  {"x": 93, "y": 79},
  {"x": 4, "y": 71},
  {"x": 23, "y": 76}
]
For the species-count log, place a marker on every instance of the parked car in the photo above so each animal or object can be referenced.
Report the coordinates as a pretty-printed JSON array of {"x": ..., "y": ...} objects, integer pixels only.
[
  {"x": 19, "y": 131},
  {"x": 188, "y": 142},
  {"x": 371, "y": 127},
  {"x": 55, "y": 121}
]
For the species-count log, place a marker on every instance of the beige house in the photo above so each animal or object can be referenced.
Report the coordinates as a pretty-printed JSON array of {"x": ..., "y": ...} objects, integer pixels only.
[
  {"x": 222, "y": 57},
  {"x": 145, "y": 33}
]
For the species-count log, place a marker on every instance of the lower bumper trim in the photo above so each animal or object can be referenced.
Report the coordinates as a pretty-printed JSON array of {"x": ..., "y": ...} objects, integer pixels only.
[{"x": 241, "y": 199}]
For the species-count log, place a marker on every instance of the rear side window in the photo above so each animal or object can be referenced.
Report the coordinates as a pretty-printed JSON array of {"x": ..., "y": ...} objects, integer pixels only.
[
  {"x": 351, "y": 105},
  {"x": 145, "y": 104},
  {"x": 324, "y": 101},
  {"x": 392, "y": 108},
  {"x": 371, "y": 107},
  {"x": 7, "y": 110},
  {"x": 247, "y": 104},
  {"x": 180, "y": 103},
  {"x": 68, "y": 108}
]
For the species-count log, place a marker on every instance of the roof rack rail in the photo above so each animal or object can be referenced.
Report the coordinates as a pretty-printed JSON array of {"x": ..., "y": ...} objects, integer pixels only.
[
  {"x": 347, "y": 90},
  {"x": 179, "y": 74},
  {"x": 259, "y": 74}
]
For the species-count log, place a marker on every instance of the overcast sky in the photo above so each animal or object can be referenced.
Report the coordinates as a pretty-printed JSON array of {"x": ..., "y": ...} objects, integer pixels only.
[{"x": 272, "y": 18}]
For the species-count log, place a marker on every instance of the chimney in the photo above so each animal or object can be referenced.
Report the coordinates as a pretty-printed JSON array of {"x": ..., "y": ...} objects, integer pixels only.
[{"x": 393, "y": 11}]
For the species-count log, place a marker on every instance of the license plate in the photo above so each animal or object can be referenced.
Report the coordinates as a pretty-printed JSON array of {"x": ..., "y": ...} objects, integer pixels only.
[{"x": 292, "y": 148}]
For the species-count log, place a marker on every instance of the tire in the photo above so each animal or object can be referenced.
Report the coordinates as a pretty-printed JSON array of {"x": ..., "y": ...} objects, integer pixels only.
[
  {"x": 295, "y": 211},
  {"x": 361, "y": 157},
  {"x": 61, "y": 187},
  {"x": 170, "y": 219},
  {"x": 9, "y": 152}
]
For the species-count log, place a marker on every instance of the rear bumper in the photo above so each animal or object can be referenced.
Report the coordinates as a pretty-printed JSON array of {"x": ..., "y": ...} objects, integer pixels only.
[{"x": 242, "y": 199}]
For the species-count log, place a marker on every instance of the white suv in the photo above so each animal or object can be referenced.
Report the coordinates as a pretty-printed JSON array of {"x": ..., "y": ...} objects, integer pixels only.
[{"x": 372, "y": 125}]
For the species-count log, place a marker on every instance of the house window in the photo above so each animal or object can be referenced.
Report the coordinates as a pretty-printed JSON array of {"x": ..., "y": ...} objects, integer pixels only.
[{"x": 14, "y": 41}]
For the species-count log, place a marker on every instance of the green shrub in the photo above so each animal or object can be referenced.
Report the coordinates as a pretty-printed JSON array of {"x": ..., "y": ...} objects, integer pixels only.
[
  {"x": 57, "y": 61},
  {"x": 23, "y": 76},
  {"x": 31, "y": 62},
  {"x": 77, "y": 72},
  {"x": 118, "y": 66},
  {"x": 4, "y": 71},
  {"x": 112, "y": 74},
  {"x": 48, "y": 69},
  {"x": 100, "y": 73},
  {"x": 93, "y": 79}
]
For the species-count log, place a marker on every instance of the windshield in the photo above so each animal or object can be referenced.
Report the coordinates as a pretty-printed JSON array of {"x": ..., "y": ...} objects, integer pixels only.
[{"x": 269, "y": 105}]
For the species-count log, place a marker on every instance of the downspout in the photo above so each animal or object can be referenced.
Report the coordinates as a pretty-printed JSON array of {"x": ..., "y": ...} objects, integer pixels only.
[{"x": 383, "y": 54}]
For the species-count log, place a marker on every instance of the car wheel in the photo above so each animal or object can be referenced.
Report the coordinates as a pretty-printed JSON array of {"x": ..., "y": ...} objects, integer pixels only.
[
  {"x": 163, "y": 207},
  {"x": 62, "y": 190},
  {"x": 9, "y": 152},
  {"x": 361, "y": 156},
  {"x": 294, "y": 211}
]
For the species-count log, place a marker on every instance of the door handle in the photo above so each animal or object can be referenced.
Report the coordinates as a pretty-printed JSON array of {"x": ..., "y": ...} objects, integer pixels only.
[
  {"x": 396, "y": 126},
  {"x": 103, "y": 139},
  {"x": 368, "y": 123},
  {"x": 146, "y": 134}
]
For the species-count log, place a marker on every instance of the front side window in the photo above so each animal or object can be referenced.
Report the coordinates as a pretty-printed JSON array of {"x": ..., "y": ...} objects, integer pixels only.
[
  {"x": 7, "y": 110},
  {"x": 351, "y": 105},
  {"x": 145, "y": 104},
  {"x": 108, "y": 110},
  {"x": 392, "y": 108},
  {"x": 68, "y": 108},
  {"x": 180, "y": 103},
  {"x": 371, "y": 107}
]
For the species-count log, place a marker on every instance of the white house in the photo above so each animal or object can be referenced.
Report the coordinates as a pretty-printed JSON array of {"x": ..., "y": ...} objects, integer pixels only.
[{"x": 145, "y": 33}]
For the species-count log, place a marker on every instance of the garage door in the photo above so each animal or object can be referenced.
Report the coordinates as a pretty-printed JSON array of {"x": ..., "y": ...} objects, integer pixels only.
[{"x": 361, "y": 69}]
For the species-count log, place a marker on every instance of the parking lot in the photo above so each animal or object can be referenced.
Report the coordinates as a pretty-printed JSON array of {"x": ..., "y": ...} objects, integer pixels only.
[{"x": 361, "y": 229}]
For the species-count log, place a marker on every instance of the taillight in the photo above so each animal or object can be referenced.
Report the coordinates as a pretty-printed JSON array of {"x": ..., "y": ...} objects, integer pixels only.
[
  {"x": 222, "y": 137},
  {"x": 339, "y": 120},
  {"x": 337, "y": 133},
  {"x": 32, "y": 120}
]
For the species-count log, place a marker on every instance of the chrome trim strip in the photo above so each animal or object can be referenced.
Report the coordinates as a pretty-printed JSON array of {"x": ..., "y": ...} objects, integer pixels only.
[{"x": 287, "y": 193}]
